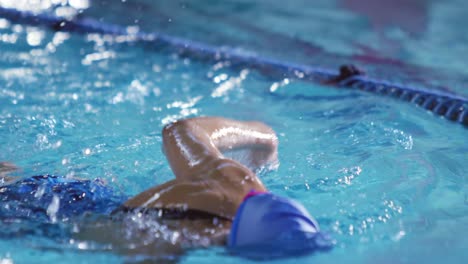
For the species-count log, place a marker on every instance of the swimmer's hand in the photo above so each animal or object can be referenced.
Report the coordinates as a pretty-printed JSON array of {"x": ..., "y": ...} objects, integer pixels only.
[
  {"x": 346, "y": 71},
  {"x": 5, "y": 169}
]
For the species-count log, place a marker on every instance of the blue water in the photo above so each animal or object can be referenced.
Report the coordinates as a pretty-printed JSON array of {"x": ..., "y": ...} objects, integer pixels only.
[{"x": 385, "y": 178}]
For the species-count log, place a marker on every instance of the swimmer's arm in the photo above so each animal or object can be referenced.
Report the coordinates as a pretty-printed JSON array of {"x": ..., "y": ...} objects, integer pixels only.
[
  {"x": 192, "y": 144},
  {"x": 257, "y": 139},
  {"x": 114, "y": 234}
]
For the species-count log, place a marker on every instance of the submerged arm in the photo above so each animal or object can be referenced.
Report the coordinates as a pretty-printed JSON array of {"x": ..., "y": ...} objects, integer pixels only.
[{"x": 5, "y": 169}]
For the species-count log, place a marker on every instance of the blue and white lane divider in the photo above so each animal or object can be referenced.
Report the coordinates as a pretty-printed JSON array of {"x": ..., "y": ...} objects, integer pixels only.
[{"x": 452, "y": 107}]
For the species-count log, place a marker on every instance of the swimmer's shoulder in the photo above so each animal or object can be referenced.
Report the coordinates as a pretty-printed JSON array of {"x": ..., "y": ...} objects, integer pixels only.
[
  {"x": 219, "y": 191},
  {"x": 183, "y": 195}
]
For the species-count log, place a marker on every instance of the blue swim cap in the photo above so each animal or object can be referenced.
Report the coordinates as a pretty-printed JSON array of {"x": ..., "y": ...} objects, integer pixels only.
[{"x": 267, "y": 226}]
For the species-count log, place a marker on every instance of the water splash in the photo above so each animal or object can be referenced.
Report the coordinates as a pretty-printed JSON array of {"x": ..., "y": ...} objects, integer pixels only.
[{"x": 53, "y": 208}]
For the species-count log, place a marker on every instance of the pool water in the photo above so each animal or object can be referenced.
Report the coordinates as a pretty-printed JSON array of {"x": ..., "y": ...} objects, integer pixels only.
[{"x": 385, "y": 178}]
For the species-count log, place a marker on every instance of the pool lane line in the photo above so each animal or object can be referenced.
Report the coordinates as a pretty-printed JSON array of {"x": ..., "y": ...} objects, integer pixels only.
[{"x": 452, "y": 107}]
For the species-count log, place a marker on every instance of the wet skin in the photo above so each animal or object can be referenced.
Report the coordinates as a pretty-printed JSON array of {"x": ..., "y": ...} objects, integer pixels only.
[{"x": 205, "y": 179}]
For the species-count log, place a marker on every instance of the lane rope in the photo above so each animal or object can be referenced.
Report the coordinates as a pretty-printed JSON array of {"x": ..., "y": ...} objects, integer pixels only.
[{"x": 452, "y": 107}]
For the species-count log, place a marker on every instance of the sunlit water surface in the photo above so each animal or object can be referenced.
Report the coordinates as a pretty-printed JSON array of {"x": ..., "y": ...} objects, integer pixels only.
[{"x": 386, "y": 179}]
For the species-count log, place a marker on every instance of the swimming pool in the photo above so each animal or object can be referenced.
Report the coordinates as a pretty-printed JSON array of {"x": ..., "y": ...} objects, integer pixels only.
[{"x": 385, "y": 178}]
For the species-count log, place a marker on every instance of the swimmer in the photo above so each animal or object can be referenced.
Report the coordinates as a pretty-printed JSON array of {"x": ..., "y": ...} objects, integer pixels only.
[{"x": 220, "y": 198}]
